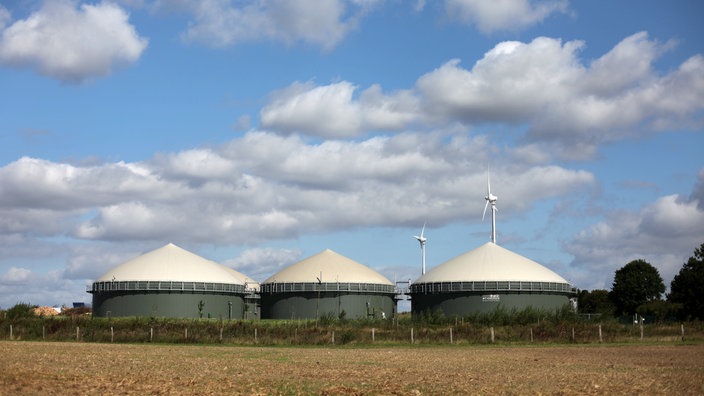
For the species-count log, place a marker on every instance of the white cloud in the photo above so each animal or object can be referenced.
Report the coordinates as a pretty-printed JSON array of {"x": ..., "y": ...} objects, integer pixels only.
[
  {"x": 72, "y": 43},
  {"x": 22, "y": 285},
  {"x": 64, "y": 187},
  {"x": 221, "y": 23},
  {"x": 195, "y": 164},
  {"x": 495, "y": 15},
  {"x": 91, "y": 261},
  {"x": 260, "y": 263},
  {"x": 15, "y": 275},
  {"x": 541, "y": 88},
  {"x": 5, "y": 17},
  {"x": 567, "y": 105},
  {"x": 664, "y": 233},
  {"x": 333, "y": 111},
  {"x": 264, "y": 187}
]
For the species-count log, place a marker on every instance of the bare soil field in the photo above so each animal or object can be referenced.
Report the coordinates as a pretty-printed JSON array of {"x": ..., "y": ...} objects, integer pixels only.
[{"x": 50, "y": 368}]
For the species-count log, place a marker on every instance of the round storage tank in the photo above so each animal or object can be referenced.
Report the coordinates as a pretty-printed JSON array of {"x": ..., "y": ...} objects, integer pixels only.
[
  {"x": 486, "y": 278},
  {"x": 170, "y": 282},
  {"x": 327, "y": 285}
]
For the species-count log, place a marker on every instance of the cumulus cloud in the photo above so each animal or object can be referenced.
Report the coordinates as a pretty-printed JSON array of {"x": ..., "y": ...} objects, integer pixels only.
[
  {"x": 86, "y": 262},
  {"x": 265, "y": 187},
  {"x": 4, "y": 17},
  {"x": 71, "y": 42},
  {"x": 62, "y": 186},
  {"x": 46, "y": 289},
  {"x": 491, "y": 16},
  {"x": 566, "y": 104},
  {"x": 334, "y": 111},
  {"x": 15, "y": 275},
  {"x": 260, "y": 263},
  {"x": 222, "y": 23},
  {"x": 664, "y": 233}
]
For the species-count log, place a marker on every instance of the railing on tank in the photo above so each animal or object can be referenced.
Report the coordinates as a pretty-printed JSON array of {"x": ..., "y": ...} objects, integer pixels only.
[
  {"x": 111, "y": 286},
  {"x": 293, "y": 287},
  {"x": 481, "y": 286}
]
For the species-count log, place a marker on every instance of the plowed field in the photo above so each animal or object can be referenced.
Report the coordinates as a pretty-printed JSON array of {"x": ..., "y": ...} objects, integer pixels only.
[{"x": 29, "y": 368}]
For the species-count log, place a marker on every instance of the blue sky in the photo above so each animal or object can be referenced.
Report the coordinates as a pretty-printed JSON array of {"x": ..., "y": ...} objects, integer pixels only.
[{"x": 258, "y": 133}]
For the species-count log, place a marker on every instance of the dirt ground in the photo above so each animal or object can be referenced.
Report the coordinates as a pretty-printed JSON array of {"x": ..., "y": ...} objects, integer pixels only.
[{"x": 29, "y": 368}]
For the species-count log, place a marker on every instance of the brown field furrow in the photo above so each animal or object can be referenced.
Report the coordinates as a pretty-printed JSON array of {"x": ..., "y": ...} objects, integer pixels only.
[{"x": 28, "y": 368}]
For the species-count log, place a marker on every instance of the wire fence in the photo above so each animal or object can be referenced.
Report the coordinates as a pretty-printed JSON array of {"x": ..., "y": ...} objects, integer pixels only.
[{"x": 254, "y": 332}]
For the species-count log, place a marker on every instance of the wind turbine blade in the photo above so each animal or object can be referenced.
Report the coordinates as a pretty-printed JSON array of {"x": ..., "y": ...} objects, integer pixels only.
[
  {"x": 485, "y": 206},
  {"x": 488, "y": 181},
  {"x": 422, "y": 231}
]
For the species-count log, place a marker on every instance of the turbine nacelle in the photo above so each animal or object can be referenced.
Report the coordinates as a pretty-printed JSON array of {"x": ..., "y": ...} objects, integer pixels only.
[
  {"x": 420, "y": 237},
  {"x": 490, "y": 199}
]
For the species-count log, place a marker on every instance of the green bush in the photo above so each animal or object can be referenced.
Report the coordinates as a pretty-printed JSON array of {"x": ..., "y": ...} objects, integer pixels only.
[{"x": 21, "y": 310}]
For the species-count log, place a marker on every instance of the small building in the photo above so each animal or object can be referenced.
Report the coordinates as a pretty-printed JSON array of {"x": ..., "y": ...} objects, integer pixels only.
[
  {"x": 170, "y": 282},
  {"x": 486, "y": 278},
  {"x": 327, "y": 285}
]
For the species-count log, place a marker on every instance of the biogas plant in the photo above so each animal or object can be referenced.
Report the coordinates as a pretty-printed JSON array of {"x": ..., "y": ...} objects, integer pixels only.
[
  {"x": 173, "y": 282},
  {"x": 486, "y": 278}
]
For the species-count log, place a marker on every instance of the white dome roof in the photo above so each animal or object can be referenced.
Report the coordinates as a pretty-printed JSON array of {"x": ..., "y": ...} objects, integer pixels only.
[
  {"x": 172, "y": 263},
  {"x": 334, "y": 268},
  {"x": 490, "y": 262}
]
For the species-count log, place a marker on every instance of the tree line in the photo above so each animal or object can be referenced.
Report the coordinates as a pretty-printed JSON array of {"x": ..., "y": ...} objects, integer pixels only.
[{"x": 639, "y": 291}]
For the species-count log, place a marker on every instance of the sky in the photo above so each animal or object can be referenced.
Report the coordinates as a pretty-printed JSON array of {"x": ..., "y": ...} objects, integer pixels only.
[{"x": 259, "y": 133}]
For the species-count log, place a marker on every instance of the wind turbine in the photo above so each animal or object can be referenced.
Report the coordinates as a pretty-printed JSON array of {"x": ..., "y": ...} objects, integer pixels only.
[
  {"x": 422, "y": 240},
  {"x": 490, "y": 199}
]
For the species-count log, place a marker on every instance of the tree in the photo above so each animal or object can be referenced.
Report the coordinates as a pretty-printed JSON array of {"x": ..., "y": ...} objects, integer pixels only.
[
  {"x": 635, "y": 284},
  {"x": 687, "y": 288},
  {"x": 596, "y": 301}
]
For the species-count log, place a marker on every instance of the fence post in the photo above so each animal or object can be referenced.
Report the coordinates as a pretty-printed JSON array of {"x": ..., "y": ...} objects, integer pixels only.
[
  {"x": 78, "y": 334},
  {"x": 333, "y": 337},
  {"x": 411, "y": 335},
  {"x": 600, "y": 338},
  {"x": 492, "y": 334},
  {"x": 451, "y": 333},
  {"x": 185, "y": 333},
  {"x": 221, "y": 334},
  {"x": 682, "y": 330},
  {"x": 112, "y": 334},
  {"x": 641, "y": 331},
  {"x": 151, "y": 334},
  {"x": 531, "y": 334},
  {"x": 573, "y": 340},
  {"x": 255, "y": 335},
  {"x": 10, "y": 332},
  {"x": 373, "y": 335}
]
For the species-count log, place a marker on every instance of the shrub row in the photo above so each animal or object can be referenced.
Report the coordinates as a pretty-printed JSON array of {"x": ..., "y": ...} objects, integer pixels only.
[{"x": 477, "y": 330}]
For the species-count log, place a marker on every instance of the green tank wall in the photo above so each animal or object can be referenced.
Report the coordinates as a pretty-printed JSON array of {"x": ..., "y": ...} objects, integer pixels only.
[
  {"x": 168, "y": 304},
  {"x": 463, "y": 304},
  {"x": 304, "y": 305}
]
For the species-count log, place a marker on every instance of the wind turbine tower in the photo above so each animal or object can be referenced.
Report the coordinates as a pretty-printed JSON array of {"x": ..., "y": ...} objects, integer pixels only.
[
  {"x": 490, "y": 199},
  {"x": 422, "y": 240}
]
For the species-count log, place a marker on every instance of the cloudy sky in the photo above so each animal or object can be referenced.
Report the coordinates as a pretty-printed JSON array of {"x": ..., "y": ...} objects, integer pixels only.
[{"x": 258, "y": 133}]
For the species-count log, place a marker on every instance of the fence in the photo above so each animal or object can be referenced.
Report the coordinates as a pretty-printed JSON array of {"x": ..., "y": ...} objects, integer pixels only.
[{"x": 307, "y": 333}]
